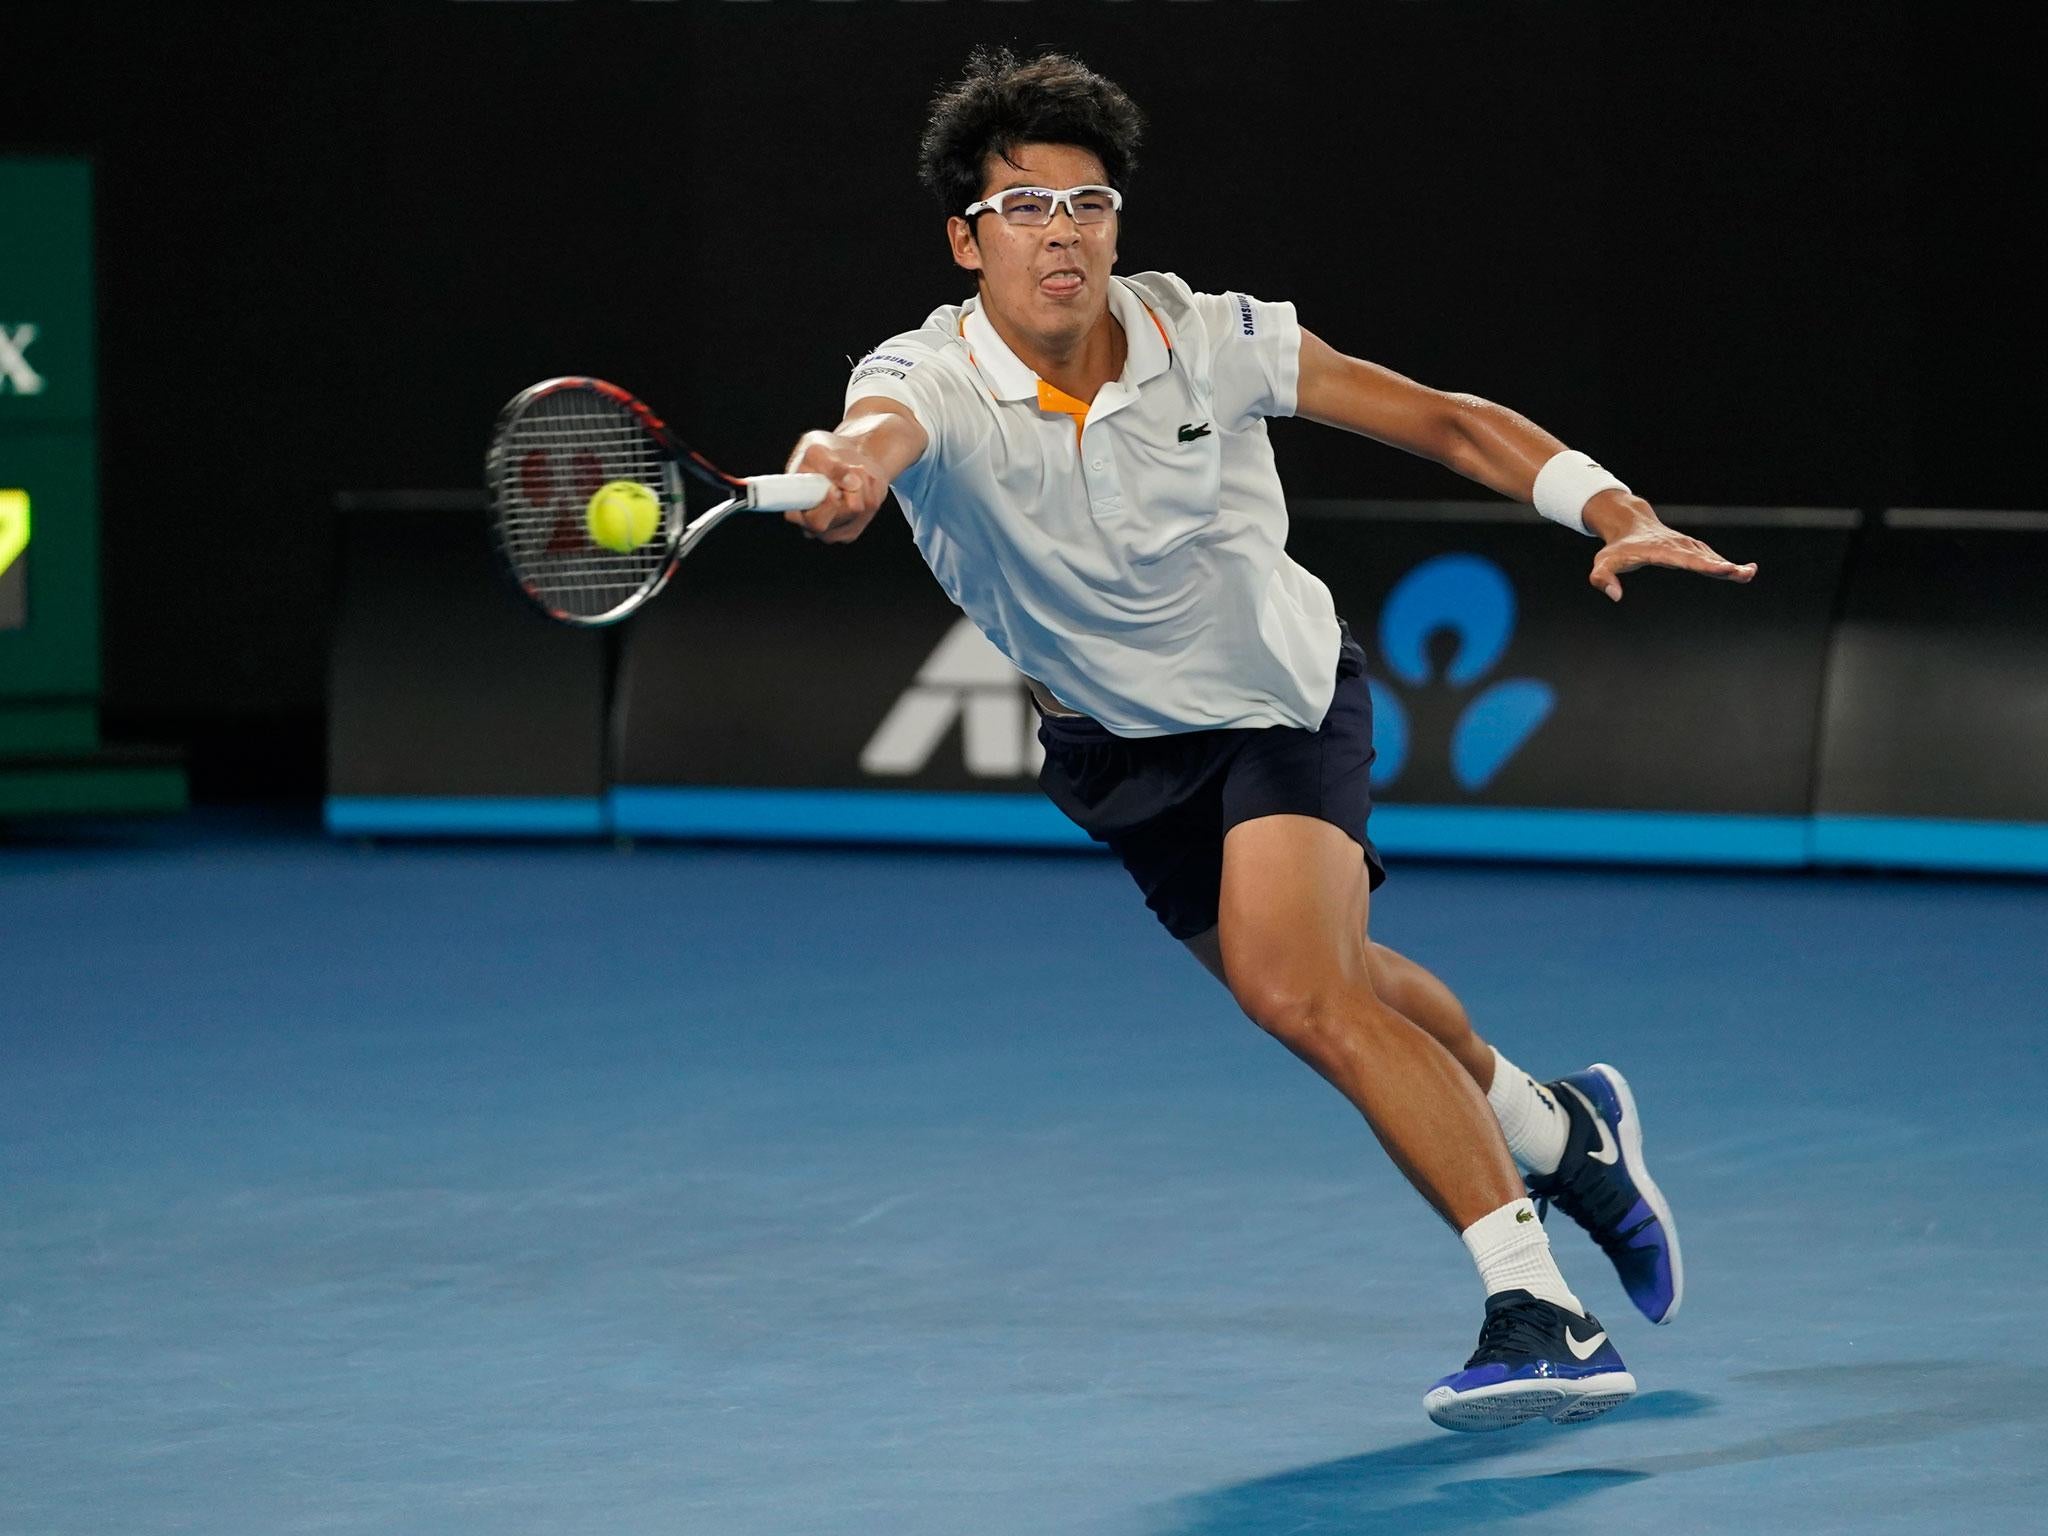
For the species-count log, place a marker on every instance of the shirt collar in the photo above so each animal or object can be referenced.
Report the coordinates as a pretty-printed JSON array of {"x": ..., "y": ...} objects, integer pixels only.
[{"x": 1147, "y": 352}]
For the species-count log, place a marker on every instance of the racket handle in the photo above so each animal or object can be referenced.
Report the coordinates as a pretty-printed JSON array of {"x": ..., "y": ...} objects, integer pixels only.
[{"x": 786, "y": 493}]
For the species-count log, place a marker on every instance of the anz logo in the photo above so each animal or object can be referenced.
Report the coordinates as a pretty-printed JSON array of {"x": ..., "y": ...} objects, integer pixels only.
[
  {"x": 1472, "y": 600},
  {"x": 967, "y": 682}
]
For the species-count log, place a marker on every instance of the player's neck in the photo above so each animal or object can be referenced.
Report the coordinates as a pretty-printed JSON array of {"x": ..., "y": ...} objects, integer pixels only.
[{"x": 1078, "y": 366}]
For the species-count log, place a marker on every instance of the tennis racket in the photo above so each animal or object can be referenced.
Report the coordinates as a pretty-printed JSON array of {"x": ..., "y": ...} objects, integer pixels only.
[{"x": 555, "y": 445}]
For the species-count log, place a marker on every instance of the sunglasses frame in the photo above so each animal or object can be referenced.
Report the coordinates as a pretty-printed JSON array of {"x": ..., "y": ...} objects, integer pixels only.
[{"x": 1057, "y": 196}]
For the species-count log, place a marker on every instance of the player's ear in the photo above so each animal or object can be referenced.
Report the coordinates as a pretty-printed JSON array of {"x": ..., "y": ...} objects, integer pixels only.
[{"x": 966, "y": 251}]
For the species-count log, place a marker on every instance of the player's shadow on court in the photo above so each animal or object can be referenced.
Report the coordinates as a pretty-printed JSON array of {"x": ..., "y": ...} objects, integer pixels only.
[
  {"x": 1390, "y": 1490},
  {"x": 1387, "y": 1490}
]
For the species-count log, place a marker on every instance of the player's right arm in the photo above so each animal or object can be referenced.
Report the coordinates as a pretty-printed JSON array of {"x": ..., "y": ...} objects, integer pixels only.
[{"x": 877, "y": 441}]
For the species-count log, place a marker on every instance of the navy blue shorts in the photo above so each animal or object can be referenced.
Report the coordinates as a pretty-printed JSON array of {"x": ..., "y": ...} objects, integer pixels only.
[{"x": 1164, "y": 803}]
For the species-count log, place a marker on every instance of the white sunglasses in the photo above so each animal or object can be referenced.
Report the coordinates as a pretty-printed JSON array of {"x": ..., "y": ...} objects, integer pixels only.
[{"x": 1032, "y": 206}]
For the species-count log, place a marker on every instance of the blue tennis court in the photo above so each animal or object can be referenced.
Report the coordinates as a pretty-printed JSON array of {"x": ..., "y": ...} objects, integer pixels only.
[{"x": 479, "y": 1188}]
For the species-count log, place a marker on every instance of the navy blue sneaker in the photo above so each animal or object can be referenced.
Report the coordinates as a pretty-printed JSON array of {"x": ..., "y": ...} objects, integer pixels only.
[
  {"x": 1536, "y": 1360},
  {"x": 1603, "y": 1185}
]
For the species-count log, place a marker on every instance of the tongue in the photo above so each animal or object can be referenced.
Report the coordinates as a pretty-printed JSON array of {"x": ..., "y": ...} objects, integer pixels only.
[{"x": 1061, "y": 283}]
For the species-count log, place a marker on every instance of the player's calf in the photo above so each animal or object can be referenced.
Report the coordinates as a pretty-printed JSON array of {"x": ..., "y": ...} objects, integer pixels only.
[{"x": 1419, "y": 995}]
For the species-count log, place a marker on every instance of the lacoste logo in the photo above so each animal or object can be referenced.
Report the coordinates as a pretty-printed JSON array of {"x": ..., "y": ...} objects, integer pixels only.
[
  {"x": 1605, "y": 1152},
  {"x": 1190, "y": 432},
  {"x": 1525, "y": 1214},
  {"x": 1472, "y": 599},
  {"x": 1583, "y": 1348}
]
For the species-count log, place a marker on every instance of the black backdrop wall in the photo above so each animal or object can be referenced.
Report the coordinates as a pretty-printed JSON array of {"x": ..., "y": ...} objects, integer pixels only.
[{"x": 1750, "y": 254}]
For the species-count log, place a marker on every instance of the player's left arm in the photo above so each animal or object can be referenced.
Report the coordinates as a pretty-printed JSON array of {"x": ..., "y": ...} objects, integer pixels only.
[{"x": 1502, "y": 451}]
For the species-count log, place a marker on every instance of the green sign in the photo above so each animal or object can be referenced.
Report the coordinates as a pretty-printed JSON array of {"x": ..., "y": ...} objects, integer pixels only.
[
  {"x": 49, "y": 506},
  {"x": 51, "y": 759}
]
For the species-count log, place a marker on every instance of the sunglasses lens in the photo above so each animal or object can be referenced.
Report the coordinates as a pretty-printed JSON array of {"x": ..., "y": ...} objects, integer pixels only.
[
  {"x": 1027, "y": 205},
  {"x": 1092, "y": 205}
]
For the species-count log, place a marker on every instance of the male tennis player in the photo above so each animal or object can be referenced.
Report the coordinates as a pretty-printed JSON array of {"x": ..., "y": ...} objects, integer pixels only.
[{"x": 1084, "y": 463}]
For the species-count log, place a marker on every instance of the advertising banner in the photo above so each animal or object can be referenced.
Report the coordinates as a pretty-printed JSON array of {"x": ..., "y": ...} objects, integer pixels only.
[{"x": 1878, "y": 696}]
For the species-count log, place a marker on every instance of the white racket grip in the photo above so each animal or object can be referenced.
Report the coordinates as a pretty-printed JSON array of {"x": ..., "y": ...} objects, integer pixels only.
[{"x": 786, "y": 493}]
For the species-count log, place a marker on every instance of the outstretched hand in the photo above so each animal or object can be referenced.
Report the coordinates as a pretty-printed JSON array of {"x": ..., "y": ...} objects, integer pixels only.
[
  {"x": 857, "y": 490},
  {"x": 1635, "y": 537}
]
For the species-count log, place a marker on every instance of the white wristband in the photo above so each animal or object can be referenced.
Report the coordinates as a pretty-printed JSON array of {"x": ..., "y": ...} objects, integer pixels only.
[{"x": 1564, "y": 485}]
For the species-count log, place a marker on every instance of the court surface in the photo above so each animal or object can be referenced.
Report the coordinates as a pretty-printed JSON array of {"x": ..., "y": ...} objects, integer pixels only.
[{"x": 478, "y": 1189}]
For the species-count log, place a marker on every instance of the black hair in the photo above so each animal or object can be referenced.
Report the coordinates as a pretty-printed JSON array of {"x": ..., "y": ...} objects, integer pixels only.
[{"x": 1002, "y": 102}]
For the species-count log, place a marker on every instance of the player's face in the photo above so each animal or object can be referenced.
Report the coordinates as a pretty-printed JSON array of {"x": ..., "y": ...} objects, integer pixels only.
[{"x": 1051, "y": 280}]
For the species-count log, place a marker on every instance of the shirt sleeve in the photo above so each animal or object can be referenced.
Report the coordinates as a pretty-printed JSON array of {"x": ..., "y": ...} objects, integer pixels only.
[
  {"x": 903, "y": 369},
  {"x": 906, "y": 369},
  {"x": 1254, "y": 353}
]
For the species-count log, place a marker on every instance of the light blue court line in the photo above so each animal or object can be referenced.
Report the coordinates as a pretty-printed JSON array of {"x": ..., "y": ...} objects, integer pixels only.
[
  {"x": 466, "y": 816},
  {"x": 846, "y": 815},
  {"x": 1008, "y": 820},
  {"x": 1002, "y": 820},
  {"x": 1623, "y": 837},
  {"x": 2011, "y": 847}
]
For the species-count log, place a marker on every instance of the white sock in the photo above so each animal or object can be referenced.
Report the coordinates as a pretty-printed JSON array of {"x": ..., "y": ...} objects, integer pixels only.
[
  {"x": 1513, "y": 1253},
  {"x": 1533, "y": 1124}
]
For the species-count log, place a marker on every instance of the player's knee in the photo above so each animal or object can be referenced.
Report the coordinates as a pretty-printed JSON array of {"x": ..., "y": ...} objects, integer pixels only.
[{"x": 1302, "y": 1013}]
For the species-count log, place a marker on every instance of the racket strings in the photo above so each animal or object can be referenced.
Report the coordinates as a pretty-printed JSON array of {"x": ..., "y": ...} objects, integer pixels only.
[{"x": 549, "y": 462}]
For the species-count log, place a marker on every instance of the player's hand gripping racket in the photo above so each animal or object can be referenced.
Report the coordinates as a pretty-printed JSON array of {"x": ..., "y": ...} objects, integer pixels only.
[{"x": 581, "y": 541}]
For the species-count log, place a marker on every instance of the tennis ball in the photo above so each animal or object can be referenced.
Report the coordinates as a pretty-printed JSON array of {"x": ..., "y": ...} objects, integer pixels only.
[{"x": 623, "y": 515}]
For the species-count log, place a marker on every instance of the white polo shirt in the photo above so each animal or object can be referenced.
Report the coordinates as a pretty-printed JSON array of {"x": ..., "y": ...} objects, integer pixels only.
[{"x": 1135, "y": 566}]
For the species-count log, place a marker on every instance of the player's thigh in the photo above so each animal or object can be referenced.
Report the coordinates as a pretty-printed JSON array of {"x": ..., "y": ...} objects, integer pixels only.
[{"x": 1291, "y": 915}]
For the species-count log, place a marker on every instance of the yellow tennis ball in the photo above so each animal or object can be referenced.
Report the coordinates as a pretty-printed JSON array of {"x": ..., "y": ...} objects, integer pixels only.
[{"x": 623, "y": 515}]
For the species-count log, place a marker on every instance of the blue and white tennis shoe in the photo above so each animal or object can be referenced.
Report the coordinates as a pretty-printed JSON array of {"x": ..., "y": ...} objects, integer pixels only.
[
  {"x": 1535, "y": 1360},
  {"x": 1603, "y": 1185}
]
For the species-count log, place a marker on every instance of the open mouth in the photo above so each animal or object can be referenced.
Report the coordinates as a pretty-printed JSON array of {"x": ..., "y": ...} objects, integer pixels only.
[{"x": 1061, "y": 285}]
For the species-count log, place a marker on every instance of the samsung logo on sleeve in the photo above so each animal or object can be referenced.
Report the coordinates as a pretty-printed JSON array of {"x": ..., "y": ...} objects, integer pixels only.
[
  {"x": 1244, "y": 313},
  {"x": 878, "y": 362}
]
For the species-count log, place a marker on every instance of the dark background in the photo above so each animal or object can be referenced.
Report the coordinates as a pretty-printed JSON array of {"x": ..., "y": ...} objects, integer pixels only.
[{"x": 1747, "y": 254}]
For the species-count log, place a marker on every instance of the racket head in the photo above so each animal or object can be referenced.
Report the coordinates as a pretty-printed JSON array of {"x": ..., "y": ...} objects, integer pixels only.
[{"x": 556, "y": 443}]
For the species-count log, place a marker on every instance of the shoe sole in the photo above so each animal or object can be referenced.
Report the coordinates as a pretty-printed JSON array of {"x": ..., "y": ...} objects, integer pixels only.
[
  {"x": 1632, "y": 1154},
  {"x": 1508, "y": 1403}
]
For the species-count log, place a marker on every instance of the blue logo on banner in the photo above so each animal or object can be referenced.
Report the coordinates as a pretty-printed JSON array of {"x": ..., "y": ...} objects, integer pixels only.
[{"x": 1472, "y": 600}]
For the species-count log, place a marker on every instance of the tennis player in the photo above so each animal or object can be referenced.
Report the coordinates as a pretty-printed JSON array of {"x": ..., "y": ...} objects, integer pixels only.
[{"x": 1084, "y": 463}]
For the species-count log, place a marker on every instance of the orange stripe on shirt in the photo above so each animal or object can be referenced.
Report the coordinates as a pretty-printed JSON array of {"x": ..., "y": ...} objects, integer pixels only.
[{"x": 1059, "y": 402}]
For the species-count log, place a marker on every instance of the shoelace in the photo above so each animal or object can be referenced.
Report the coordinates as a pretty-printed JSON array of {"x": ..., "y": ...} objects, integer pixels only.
[
  {"x": 1513, "y": 1332},
  {"x": 1595, "y": 1201}
]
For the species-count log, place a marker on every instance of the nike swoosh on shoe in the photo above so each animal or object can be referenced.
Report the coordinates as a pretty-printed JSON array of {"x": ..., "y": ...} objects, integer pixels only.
[
  {"x": 1583, "y": 1348},
  {"x": 1606, "y": 1152}
]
